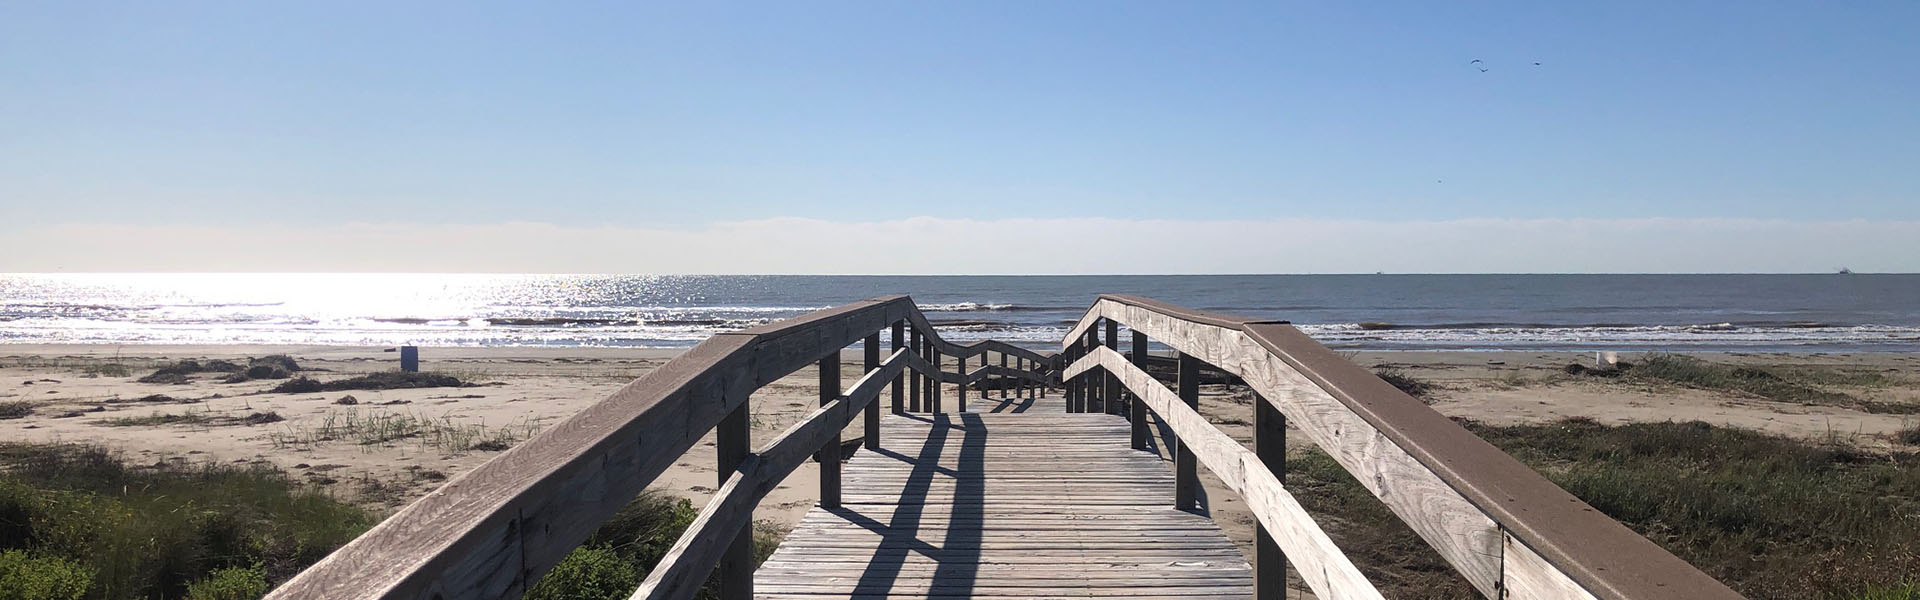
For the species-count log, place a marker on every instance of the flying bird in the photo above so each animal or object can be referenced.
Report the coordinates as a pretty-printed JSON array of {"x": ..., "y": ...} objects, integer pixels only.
[{"x": 1480, "y": 64}]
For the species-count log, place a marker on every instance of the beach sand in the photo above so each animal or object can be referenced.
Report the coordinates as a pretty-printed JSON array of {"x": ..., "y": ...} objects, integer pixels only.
[{"x": 75, "y": 398}]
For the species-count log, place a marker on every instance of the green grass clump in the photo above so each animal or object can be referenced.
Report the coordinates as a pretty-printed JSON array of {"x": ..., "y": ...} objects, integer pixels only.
[
  {"x": 588, "y": 573},
  {"x": 15, "y": 409},
  {"x": 627, "y": 547},
  {"x": 1783, "y": 384},
  {"x": 155, "y": 532},
  {"x": 1773, "y": 517},
  {"x": 232, "y": 583},
  {"x": 24, "y": 576}
]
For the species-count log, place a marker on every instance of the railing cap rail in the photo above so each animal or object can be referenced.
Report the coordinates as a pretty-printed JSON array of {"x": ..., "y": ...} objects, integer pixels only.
[{"x": 1595, "y": 550}]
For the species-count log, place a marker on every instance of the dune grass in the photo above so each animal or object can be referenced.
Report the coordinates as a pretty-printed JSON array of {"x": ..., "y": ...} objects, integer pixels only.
[
  {"x": 1772, "y": 517},
  {"x": 158, "y": 531},
  {"x": 78, "y": 521},
  {"x": 1802, "y": 385}
]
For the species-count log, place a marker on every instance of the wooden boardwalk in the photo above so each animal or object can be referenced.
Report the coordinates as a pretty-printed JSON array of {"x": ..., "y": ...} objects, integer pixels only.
[{"x": 1037, "y": 503}]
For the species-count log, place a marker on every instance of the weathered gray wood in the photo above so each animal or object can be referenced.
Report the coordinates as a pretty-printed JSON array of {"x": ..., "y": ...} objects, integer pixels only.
[
  {"x": 490, "y": 532},
  {"x": 1529, "y": 576},
  {"x": 1186, "y": 474},
  {"x": 917, "y": 386},
  {"x": 1110, "y": 387},
  {"x": 870, "y": 432},
  {"x": 1321, "y": 564},
  {"x": 733, "y": 443},
  {"x": 683, "y": 568},
  {"x": 1453, "y": 489},
  {"x": 970, "y": 505},
  {"x": 899, "y": 397},
  {"x": 1137, "y": 411},
  {"x": 829, "y": 455},
  {"x": 1003, "y": 367},
  {"x": 934, "y": 379},
  {"x": 1270, "y": 443}
]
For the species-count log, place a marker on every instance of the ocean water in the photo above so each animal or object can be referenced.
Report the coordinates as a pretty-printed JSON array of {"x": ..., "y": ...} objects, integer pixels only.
[{"x": 1802, "y": 313}]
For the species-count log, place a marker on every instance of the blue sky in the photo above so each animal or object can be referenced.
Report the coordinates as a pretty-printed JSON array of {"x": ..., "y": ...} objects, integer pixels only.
[{"x": 224, "y": 117}]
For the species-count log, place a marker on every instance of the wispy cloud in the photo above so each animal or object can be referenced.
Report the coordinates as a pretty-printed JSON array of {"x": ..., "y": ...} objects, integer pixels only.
[{"x": 963, "y": 246}]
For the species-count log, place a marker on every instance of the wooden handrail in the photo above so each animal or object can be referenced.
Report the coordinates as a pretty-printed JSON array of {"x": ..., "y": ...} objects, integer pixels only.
[
  {"x": 683, "y": 568},
  {"x": 1320, "y": 563},
  {"x": 492, "y": 531},
  {"x": 1509, "y": 531}
]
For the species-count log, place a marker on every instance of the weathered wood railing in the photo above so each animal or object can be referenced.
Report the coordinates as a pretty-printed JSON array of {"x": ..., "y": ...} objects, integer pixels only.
[
  {"x": 493, "y": 531},
  {"x": 1509, "y": 531}
]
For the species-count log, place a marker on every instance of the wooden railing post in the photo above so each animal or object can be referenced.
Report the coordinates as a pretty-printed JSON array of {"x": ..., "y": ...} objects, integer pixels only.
[
  {"x": 829, "y": 455},
  {"x": 1003, "y": 376},
  {"x": 934, "y": 381},
  {"x": 1270, "y": 444},
  {"x": 1186, "y": 475},
  {"x": 733, "y": 443},
  {"x": 914, "y": 385},
  {"x": 1137, "y": 410},
  {"x": 899, "y": 341},
  {"x": 1111, "y": 393},
  {"x": 1076, "y": 393},
  {"x": 960, "y": 392},
  {"x": 870, "y": 438}
]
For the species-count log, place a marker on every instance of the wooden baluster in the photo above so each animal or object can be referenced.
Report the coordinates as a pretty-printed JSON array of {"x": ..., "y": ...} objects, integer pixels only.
[
  {"x": 829, "y": 455},
  {"x": 899, "y": 381},
  {"x": 1137, "y": 410},
  {"x": 871, "y": 437},
  {"x": 732, "y": 444},
  {"x": 1270, "y": 444},
  {"x": 933, "y": 381},
  {"x": 1073, "y": 385},
  {"x": 1092, "y": 380},
  {"x": 1112, "y": 382},
  {"x": 1186, "y": 476},
  {"x": 914, "y": 385},
  {"x": 1003, "y": 377},
  {"x": 960, "y": 392}
]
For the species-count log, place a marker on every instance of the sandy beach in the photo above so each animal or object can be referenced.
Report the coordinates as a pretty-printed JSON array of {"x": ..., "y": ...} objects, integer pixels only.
[{"x": 90, "y": 394}]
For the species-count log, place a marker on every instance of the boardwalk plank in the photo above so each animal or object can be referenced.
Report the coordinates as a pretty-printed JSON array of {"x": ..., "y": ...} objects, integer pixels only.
[{"x": 1041, "y": 504}]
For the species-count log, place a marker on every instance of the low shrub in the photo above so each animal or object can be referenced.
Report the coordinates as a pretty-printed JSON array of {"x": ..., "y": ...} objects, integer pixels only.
[
  {"x": 588, "y": 573},
  {"x": 24, "y": 576},
  {"x": 232, "y": 583},
  {"x": 155, "y": 532}
]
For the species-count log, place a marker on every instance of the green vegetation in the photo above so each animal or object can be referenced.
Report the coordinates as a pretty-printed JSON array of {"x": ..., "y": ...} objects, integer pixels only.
[
  {"x": 192, "y": 417},
  {"x": 378, "y": 427},
  {"x": 1783, "y": 384},
  {"x": 1773, "y": 517},
  {"x": 384, "y": 380},
  {"x": 232, "y": 583},
  {"x": 626, "y": 548},
  {"x": 171, "y": 530},
  {"x": 24, "y": 576},
  {"x": 15, "y": 409}
]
